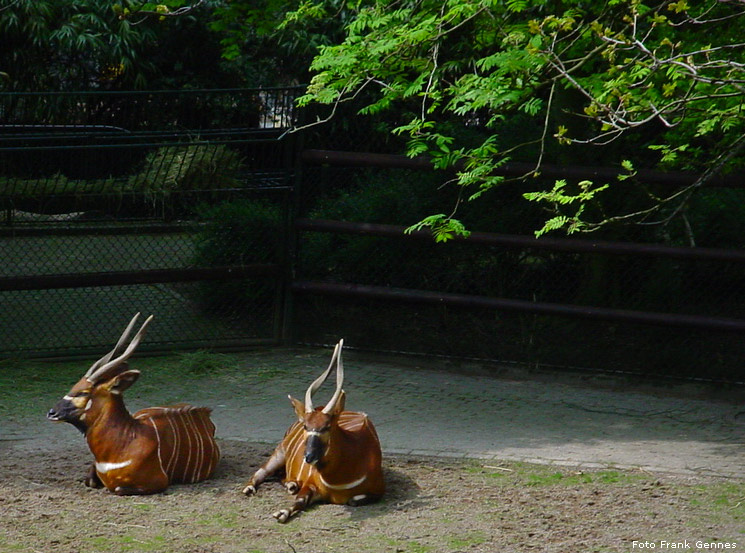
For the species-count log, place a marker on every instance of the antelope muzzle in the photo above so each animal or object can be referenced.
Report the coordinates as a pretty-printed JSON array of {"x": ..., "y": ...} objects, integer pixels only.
[
  {"x": 314, "y": 448},
  {"x": 66, "y": 411}
]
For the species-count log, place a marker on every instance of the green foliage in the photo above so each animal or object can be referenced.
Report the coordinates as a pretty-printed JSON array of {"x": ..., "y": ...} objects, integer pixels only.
[
  {"x": 97, "y": 44},
  {"x": 237, "y": 232},
  {"x": 397, "y": 198},
  {"x": 165, "y": 170},
  {"x": 52, "y": 45},
  {"x": 202, "y": 362},
  {"x": 658, "y": 80},
  {"x": 274, "y": 41},
  {"x": 558, "y": 197},
  {"x": 443, "y": 228},
  {"x": 57, "y": 184},
  {"x": 189, "y": 167}
]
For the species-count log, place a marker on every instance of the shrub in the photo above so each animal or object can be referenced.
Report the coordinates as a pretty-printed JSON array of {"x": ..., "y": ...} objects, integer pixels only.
[
  {"x": 189, "y": 167},
  {"x": 238, "y": 232}
]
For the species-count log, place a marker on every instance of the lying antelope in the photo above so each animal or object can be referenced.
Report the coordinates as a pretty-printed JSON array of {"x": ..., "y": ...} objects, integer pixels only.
[
  {"x": 329, "y": 454},
  {"x": 141, "y": 453}
]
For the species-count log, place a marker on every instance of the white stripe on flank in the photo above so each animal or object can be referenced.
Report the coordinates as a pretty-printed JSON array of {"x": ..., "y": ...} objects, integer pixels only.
[
  {"x": 103, "y": 468},
  {"x": 171, "y": 467},
  {"x": 160, "y": 458},
  {"x": 182, "y": 420},
  {"x": 200, "y": 445},
  {"x": 348, "y": 486}
]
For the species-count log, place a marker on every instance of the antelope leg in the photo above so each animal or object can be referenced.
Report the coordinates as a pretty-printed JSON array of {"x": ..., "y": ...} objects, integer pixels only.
[
  {"x": 305, "y": 497},
  {"x": 92, "y": 480},
  {"x": 275, "y": 462}
]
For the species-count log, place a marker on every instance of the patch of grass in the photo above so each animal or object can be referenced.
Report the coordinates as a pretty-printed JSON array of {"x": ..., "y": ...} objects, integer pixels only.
[
  {"x": 538, "y": 475},
  {"x": 201, "y": 362},
  {"x": 410, "y": 546},
  {"x": 726, "y": 498},
  {"x": 466, "y": 541},
  {"x": 220, "y": 520},
  {"x": 144, "y": 507},
  {"x": 29, "y": 388},
  {"x": 124, "y": 542},
  {"x": 5, "y": 545}
]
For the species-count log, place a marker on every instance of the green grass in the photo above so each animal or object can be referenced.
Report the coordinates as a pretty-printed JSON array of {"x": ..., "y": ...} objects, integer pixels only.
[
  {"x": 723, "y": 499},
  {"x": 199, "y": 363},
  {"x": 410, "y": 546},
  {"x": 5, "y": 545},
  {"x": 125, "y": 542},
  {"x": 29, "y": 388},
  {"x": 466, "y": 541},
  {"x": 534, "y": 475},
  {"x": 24, "y": 385},
  {"x": 220, "y": 520}
]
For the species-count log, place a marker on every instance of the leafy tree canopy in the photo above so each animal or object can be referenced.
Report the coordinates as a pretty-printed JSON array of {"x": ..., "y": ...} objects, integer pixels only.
[
  {"x": 256, "y": 41},
  {"x": 50, "y": 45},
  {"x": 93, "y": 44},
  {"x": 660, "y": 82}
]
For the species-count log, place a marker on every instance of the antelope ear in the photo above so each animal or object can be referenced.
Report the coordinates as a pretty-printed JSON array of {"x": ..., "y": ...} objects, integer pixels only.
[
  {"x": 124, "y": 380},
  {"x": 299, "y": 408}
]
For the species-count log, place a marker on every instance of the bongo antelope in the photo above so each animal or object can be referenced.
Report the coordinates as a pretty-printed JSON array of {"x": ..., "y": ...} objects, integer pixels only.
[
  {"x": 141, "y": 453},
  {"x": 329, "y": 454}
]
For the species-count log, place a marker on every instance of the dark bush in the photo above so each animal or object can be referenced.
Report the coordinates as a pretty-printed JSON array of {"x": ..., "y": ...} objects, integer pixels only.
[{"x": 239, "y": 232}]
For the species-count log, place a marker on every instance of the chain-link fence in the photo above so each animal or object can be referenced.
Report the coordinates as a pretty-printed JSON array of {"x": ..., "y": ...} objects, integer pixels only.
[
  {"x": 646, "y": 308},
  {"x": 188, "y": 205},
  {"x": 171, "y": 203}
]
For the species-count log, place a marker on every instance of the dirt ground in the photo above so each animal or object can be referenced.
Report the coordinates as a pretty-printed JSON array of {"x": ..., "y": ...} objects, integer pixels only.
[{"x": 432, "y": 505}]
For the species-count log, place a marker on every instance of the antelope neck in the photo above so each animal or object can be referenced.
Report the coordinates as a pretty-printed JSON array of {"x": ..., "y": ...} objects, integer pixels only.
[{"x": 113, "y": 421}]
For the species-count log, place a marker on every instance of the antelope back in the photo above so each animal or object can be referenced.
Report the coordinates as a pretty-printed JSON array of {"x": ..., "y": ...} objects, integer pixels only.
[{"x": 187, "y": 450}]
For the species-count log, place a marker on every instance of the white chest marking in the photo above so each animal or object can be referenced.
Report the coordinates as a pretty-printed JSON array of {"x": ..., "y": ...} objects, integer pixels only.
[
  {"x": 103, "y": 468},
  {"x": 348, "y": 486}
]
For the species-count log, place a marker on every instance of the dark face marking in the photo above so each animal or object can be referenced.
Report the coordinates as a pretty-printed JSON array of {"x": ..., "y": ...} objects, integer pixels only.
[
  {"x": 314, "y": 447},
  {"x": 317, "y": 427},
  {"x": 71, "y": 408}
]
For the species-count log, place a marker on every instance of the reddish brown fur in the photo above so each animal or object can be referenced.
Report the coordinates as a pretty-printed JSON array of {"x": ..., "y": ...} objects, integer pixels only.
[
  {"x": 354, "y": 453},
  {"x": 138, "y": 454},
  {"x": 349, "y": 470}
]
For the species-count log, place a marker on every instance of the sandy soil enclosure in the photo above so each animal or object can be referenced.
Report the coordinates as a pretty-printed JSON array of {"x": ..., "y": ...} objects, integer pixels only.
[{"x": 433, "y": 504}]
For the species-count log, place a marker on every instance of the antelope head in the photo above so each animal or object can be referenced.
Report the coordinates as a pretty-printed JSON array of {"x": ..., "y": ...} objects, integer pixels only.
[
  {"x": 319, "y": 423},
  {"x": 101, "y": 385}
]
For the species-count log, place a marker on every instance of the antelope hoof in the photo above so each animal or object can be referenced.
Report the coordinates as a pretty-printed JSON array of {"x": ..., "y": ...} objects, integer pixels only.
[
  {"x": 282, "y": 515},
  {"x": 292, "y": 487},
  {"x": 91, "y": 479},
  {"x": 93, "y": 483},
  {"x": 249, "y": 490}
]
